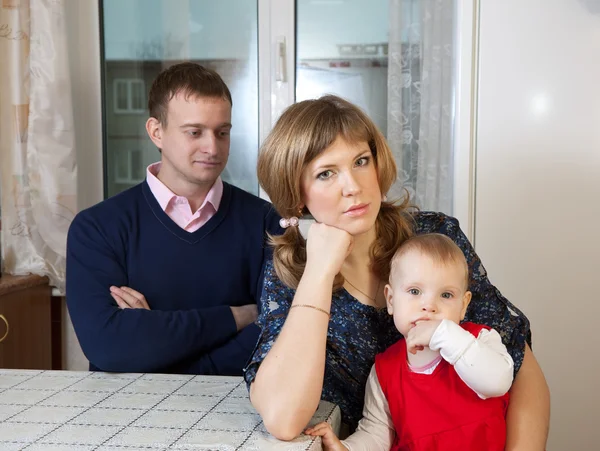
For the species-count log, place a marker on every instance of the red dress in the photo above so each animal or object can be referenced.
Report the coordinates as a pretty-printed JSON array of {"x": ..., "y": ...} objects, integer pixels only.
[{"x": 438, "y": 411}]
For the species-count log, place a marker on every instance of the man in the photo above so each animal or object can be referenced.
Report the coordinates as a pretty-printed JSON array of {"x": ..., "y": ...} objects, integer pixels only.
[{"x": 165, "y": 276}]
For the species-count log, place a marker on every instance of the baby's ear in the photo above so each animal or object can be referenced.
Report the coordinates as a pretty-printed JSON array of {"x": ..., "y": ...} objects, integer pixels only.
[
  {"x": 388, "y": 292},
  {"x": 466, "y": 302}
]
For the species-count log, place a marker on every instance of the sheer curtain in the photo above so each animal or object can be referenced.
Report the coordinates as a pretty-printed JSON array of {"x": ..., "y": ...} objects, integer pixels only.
[
  {"x": 420, "y": 95},
  {"x": 37, "y": 154}
]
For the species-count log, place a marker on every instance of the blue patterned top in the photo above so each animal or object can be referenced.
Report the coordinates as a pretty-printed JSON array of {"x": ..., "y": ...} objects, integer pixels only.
[{"x": 357, "y": 332}]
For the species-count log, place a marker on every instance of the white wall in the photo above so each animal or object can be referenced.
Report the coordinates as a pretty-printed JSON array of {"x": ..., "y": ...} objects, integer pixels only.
[
  {"x": 538, "y": 188},
  {"x": 84, "y": 60}
]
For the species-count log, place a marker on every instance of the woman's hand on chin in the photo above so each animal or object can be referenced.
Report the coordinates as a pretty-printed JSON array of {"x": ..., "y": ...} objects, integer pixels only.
[{"x": 326, "y": 248}]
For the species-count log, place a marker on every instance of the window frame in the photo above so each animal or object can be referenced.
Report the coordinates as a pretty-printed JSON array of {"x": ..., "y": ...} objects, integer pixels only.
[
  {"x": 129, "y": 82},
  {"x": 129, "y": 179}
]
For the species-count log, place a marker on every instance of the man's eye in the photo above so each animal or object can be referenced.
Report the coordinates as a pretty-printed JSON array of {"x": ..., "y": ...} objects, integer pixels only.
[{"x": 193, "y": 132}]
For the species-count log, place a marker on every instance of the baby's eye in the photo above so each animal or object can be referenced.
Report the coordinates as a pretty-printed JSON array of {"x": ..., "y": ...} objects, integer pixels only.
[
  {"x": 414, "y": 291},
  {"x": 324, "y": 175},
  {"x": 447, "y": 295}
]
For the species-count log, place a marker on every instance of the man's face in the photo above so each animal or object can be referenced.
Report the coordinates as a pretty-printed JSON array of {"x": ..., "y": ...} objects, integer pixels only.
[{"x": 195, "y": 140}]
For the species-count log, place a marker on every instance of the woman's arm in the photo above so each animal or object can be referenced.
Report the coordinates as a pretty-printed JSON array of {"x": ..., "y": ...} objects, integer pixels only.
[
  {"x": 287, "y": 388},
  {"x": 288, "y": 384},
  {"x": 528, "y": 416}
]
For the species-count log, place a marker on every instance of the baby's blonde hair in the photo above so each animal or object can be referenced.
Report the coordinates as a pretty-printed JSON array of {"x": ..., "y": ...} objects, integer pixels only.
[{"x": 441, "y": 249}]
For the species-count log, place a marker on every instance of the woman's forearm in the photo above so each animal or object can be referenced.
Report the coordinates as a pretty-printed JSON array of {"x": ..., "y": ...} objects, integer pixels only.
[
  {"x": 528, "y": 415},
  {"x": 288, "y": 384}
]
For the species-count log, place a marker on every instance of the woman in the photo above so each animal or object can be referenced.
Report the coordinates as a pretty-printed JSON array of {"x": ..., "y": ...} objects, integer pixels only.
[{"x": 322, "y": 310}]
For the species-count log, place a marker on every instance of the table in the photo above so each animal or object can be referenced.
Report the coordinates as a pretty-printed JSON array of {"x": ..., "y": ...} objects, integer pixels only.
[{"x": 80, "y": 411}]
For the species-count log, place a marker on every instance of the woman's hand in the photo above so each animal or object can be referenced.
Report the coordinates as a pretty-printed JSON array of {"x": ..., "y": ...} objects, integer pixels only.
[
  {"x": 126, "y": 297},
  {"x": 326, "y": 248},
  {"x": 328, "y": 437}
]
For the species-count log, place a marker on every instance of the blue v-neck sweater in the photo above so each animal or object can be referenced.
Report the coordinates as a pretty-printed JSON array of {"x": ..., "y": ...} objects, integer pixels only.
[{"x": 188, "y": 279}]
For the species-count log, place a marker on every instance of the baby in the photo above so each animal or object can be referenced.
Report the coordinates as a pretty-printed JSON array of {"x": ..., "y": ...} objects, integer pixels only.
[{"x": 445, "y": 385}]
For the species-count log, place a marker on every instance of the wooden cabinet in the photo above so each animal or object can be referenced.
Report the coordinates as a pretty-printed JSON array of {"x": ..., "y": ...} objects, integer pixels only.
[{"x": 29, "y": 324}]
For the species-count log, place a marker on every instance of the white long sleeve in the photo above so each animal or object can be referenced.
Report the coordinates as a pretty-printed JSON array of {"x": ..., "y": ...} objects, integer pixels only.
[
  {"x": 483, "y": 363},
  {"x": 375, "y": 430}
]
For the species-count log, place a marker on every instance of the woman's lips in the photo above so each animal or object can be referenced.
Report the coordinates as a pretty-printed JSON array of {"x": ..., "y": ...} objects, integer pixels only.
[{"x": 357, "y": 210}]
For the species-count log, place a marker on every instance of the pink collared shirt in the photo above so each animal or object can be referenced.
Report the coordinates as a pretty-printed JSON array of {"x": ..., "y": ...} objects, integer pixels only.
[{"x": 178, "y": 208}]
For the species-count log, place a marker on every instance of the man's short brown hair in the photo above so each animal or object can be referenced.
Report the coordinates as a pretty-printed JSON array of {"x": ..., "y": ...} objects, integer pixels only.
[{"x": 191, "y": 79}]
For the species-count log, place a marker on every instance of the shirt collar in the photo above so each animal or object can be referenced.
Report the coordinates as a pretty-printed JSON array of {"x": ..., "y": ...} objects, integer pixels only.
[{"x": 164, "y": 195}]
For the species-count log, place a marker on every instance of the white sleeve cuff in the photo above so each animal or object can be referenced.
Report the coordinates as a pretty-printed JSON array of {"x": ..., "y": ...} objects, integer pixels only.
[
  {"x": 483, "y": 363},
  {"x": 451, "y": 340}
]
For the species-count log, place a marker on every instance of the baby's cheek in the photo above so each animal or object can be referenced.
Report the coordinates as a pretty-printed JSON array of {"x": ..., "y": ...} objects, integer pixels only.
[{"x": 402, "y": 326}]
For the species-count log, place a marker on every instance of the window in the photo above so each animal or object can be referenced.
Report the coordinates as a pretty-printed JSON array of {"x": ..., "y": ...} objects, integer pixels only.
[
  {"x": 129, "y": 169},
  {"x": 129, "y": 96}
]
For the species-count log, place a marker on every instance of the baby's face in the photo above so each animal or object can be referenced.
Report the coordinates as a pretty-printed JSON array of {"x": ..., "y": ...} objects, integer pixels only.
[{"x": 421, "y": 289}]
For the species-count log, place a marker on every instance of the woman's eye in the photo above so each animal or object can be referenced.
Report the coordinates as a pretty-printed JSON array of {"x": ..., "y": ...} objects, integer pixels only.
[
  {"x": 414, "y": 291},
  {"x": 363, "y": 161},
  {"x": 324, "y": 175}
]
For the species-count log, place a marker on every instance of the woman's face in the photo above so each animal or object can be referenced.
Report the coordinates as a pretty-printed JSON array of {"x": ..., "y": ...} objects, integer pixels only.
[{"x": 340, "y": 187}]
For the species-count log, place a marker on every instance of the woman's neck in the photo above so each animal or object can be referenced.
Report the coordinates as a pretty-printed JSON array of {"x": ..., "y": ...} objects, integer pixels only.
[
  {"x": 360, "y": 256},
  {"x": 361, "y": 282}
]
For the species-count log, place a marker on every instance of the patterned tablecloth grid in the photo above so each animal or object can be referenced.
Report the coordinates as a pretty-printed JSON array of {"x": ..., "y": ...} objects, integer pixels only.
[{"x": 81, "y": 411}]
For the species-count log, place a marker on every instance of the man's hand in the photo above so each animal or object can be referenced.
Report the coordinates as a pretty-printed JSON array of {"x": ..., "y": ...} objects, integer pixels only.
[
  {"x": 420, "y": 334},
  {"x": 328, "y": 437},
  {"x": 244, "y": 315},
  {"x": 126, "y": 297}
]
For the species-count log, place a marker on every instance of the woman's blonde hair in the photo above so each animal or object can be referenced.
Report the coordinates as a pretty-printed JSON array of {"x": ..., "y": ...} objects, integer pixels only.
[{"x": 302, "y": 133}]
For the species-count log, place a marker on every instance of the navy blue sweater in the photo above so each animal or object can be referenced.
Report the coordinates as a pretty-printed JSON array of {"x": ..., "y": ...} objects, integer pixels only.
[{"x": 188, "y": 279}]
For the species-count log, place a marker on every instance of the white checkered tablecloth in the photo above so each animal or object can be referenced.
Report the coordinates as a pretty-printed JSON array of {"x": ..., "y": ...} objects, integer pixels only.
[{"x": 65, "y": 411}]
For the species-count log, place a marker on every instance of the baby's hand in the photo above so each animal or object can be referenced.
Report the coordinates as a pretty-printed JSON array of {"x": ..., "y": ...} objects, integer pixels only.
[
  {"x": 420, "y": 334},
  {"x": 330, "y": 440}
]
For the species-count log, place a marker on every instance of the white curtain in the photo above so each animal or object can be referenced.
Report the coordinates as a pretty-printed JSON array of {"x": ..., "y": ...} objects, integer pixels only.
[
  {"x": 420, "y": 95},
  {"x": 37, "y": 154}
]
